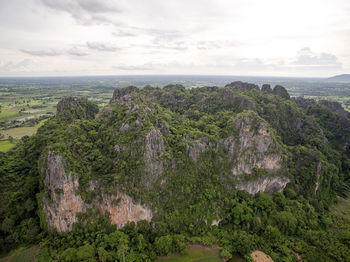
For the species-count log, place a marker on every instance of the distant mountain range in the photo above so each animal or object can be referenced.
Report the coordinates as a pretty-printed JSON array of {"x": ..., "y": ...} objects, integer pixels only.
[{"x": 343, "y": 77}]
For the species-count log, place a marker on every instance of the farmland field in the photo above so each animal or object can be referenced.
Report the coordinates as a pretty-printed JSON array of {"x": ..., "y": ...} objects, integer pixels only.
[{"x": 5, "y": 145}]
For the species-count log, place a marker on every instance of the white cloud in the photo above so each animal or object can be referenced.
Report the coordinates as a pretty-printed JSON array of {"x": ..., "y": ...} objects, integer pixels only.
[
  {"x": 24, "y": 65},
  {"x": 307, "y": 58},
  {"x": 197, "y": 36},
  {"x": 104, "y": 47},
  {"x": 49, "y": 52},
  {"x": 85, "y": 11}
]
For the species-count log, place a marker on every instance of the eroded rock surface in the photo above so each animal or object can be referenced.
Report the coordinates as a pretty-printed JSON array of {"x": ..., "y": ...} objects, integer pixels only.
[
  {"x": 267, "y": 184},
  {"x": 254, "y": 147},
  {"x": 65, "y": 203},
  {"x": 266, "y": 88},
  {"x": 63, "y": 206},
  {"x": 153, "y": 153},
  {"x": 244, "y": 86},
  {"x": 281, "y": 91}
]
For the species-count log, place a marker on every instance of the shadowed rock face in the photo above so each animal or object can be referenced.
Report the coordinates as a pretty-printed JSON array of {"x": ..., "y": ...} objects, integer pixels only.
[
  {"x": 243, "y": 86},
  {"x": 76, "y": 108},
  {"x": 120, "y": 92},
  {"x": 266, "y": 88},
  {"x": 153, "y": 152},
  {"x": 281, "y": 91},
  {"x": 64, "y": 203},
  {"x": 67, "y": 102},
  {"x": 335, "y": 106}
]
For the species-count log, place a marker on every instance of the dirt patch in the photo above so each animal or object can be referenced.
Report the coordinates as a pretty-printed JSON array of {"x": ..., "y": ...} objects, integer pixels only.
[
  {"x": 298, "y": 256},
  {"x": 259, "y": 256}
]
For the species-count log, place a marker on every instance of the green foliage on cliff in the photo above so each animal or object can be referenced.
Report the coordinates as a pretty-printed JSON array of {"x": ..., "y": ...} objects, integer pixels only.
[{"x": 174, "y": 150}]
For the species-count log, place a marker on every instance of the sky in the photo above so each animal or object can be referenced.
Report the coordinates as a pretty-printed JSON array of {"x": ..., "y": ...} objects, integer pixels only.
[{"x": 308, "y": 38}]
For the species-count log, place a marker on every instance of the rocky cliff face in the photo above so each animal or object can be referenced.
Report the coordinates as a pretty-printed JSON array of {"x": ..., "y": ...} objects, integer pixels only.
[
  {"x": 254, "y": 146},
  {"x": 64, "y": 202},
  {"x": 267, "y": 184},
  {"x": 153, "y": 152}
]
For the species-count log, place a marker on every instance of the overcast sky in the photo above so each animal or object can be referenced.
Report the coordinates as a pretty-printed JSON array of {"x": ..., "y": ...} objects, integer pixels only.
[{"x": 224, "y": 37}]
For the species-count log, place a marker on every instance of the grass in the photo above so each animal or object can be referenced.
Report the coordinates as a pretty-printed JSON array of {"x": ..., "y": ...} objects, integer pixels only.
[
  {"x": 342, "y": 209},
  {"x": 5, "y": 145},
  {"x": 195, "y": 253},
  {"x": 19, "y": 132},
  {"x": 8, "y": 115},
  {"x": 22, "y": 255}
]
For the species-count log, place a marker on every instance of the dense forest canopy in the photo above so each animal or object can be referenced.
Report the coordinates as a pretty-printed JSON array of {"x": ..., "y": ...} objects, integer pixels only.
[{"x": 190, "y": 156}]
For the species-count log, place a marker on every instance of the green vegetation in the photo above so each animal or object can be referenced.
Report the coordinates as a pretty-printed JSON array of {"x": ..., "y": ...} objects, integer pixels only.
[
  {"x": 23, "y": 255},
  {"x": 20, "y": 132},
  {"x": 22, "y": 108},
  {"x": 195, "y": 253},
  {"x": 5, "y": 145},
  {"x": 342, "y": 209},
  {"x": 141, "y": 143}
]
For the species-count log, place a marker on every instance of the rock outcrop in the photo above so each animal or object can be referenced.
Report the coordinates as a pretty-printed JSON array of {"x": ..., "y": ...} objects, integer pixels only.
[
  {"x": 243, "y": 86},
  {"x": 76, "y": 108},
  {"x": 335, "y": 106},
  {"x": 195, "y": 148},
  {"x": 267, "y": 184},
  {"x": 153, "y": 152},
  {"x": 266, "y": 88},
  {"x": 120, "y": 92},
  {"x": 63, "y": 204},
  {"x": 67, "y": 102},
  {"x": 254, "y": 146},
  {"x": 281, "y": 91}
]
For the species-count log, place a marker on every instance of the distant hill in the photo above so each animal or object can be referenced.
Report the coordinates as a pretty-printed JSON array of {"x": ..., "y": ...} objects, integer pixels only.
[{"x": 343, "y": 77}]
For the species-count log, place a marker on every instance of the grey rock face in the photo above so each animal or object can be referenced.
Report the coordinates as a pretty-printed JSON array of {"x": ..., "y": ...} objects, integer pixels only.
[
  {"x": 281, "y": 91},
  {"x": 268, "y": 184},
  {"x": 266, "y": 88},
  {"x": 243, "y": 86},
  {"x": 153, "y": 152},
  {"x": 303, "y": 103},
  {"x": 120, "y": 92},
  {"x": 335, "y": 106},
  {"x": 318, "y": 173},
  {"x": 195, "y": 148},
  {"x": 67, "y": 102},
  {"x": 255, "y": 146}
]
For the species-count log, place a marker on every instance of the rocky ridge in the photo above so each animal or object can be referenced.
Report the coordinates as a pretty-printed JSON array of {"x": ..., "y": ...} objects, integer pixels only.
[{"x": 251, "y": 152}]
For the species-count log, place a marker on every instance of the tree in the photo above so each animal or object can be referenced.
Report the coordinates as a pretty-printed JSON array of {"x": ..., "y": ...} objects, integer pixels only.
[
  {"x": 86, "y": 252},
  {"x": 122, "y": 249},
  {"x": 163, "y": 245}
]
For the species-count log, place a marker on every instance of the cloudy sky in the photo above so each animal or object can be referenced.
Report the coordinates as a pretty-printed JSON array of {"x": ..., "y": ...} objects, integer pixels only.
[{"x": 221, "y": 37}]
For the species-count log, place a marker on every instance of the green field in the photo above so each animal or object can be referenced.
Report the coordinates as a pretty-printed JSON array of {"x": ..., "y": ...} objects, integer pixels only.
[
  {"x": 8, "y": 115},
  {"x": 22, "y": 255},
  {"x": 342, "y": 209},
  {"x": 195, "y": 253},
  {"x": 5, "y": 145},
  {"x": 19, "y": 132},
  {"x": 199, "y": 253}
]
